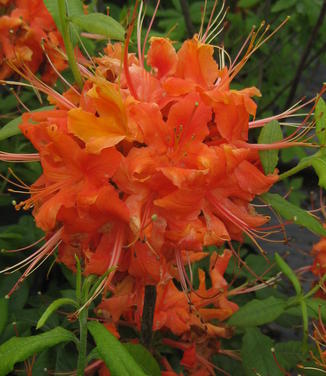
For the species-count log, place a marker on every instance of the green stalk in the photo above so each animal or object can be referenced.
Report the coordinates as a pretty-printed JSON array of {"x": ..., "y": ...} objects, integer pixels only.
[
  {"x": 68, "y": 44},
  {"x": 305, "y": 323},
  {"x": 313, "y": 291},
  {"x": 82, "y": 353},
  {"x": 301, "y": 165}
]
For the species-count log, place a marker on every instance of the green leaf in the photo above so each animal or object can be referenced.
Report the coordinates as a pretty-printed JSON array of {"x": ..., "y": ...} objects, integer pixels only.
[
  {"x": 18, "y": 349},
  {"x": 141, "y": 355},
  {"x": 52, "y": 7},
  {"x": 116, "y": 357},
  {"x": 320, "y": 117},
  {"x": 319, "y": 165},
  {"x": 282, "y": 5},
  {"x": 99, "y": 23},
  {"x": 257, "y": 357},
  {"x": 258, "y": 312},
  {"x": 52, "y": 308},
  {"x": 144, "y": 359},
  {"x": 316, "y": 307},
  {"x": 294, "y": 213},
  {"x": 289, "y": 354},
  {"x": 74, "y": 8},
  {"x": 270, "y": 133},
  {"x": 288, "y": 272},
  {"x": 12, "y": 128},
  {"x": 3, "y": 313},
  {"x": 247, "y": 3}
]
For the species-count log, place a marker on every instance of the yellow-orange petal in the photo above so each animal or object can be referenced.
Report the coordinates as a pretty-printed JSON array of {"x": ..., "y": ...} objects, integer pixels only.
[{"x": 98, "y": 133}]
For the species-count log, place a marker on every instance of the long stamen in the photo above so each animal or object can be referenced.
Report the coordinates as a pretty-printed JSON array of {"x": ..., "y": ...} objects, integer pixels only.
[
  {"x": 125, "y": 59},
  {"x": 290, "y": 112},
  {"x": 56, "y": 71},
  {"x": 19, "y": 158},
  {"x": 38, "y": 257},
  {"x": 114, "y": 261},
  {"x": 23, "y": 248},
  {"x": 209, "y": 22},
  {"x": 202, "y": 21},
  {"x": 140, "y": 20},
  {"x": 149, "y": 29}
]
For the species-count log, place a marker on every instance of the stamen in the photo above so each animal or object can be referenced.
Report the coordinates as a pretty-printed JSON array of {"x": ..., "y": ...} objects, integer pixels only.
[
  {"x": 19, "y": 158},
  {"x": 55, "y": 69},
  {"x": 125, "y": 60},
  {"x": 33, "y": 260},
  {"x": 210, "y": 20},
  {"x": 149, "y": 29}
]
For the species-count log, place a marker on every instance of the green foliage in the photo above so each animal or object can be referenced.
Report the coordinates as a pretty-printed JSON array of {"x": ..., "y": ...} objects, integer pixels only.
[
  {"x": 144, "y": 359},
  {"x": 74, "y": 8},
  {"x": 3, "y": 313},
  {"x": 294, "y": 213},
  {"x": 12, "y": 128},
  {"x": 289, "y": 354},
  {"x": 52, "y": 308},
  {"x": 257, "y": 355},
  {"x": 288, "y": 272},
  {"x": 269, "y": 134},
  {"x": 18, "y": 349},
  {"x": 116, "y": 357},
  {"x": 99, "y": 23},
  {"x": 258, "y": 312}
]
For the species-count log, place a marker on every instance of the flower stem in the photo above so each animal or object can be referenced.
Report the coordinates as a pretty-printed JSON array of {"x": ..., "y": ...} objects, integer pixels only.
[
  {"x": 304, "y": 163},
  {"x": 81, "y": 364},
  {"x": 68, "y": 44}
]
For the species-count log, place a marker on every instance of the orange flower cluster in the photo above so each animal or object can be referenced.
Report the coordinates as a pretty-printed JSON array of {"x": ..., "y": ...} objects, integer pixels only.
[
  {"x": 141, "y": 171},
  {"x": 319, "y": 252},
  {"x": 26, "y": 31},
  {"x": 319, "y": 266}
]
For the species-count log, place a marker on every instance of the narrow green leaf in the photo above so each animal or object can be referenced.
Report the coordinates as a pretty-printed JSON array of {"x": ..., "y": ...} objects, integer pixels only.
[
  {"x": 18, "y": 349},
  {"x": 256, "y": 354},
  {"x": 144, "y": 359},
  {"x": 258, "y": 312},
  {"x": 78, "y": 279},
  {"x": 115, "y": 355},
  {"x": 12, "y": 128},
  {"x": 3, "y": 313},
  {"x": 288, "y": 272},
  {"x": 270, "y": 133},
  {"x": 305, "y": 322},
  {"x": 294, "y": 213},
  {"x": 98, "y": 23},
  {"x": 320, "y": 117},
  {"x": 52, "y": 308}
]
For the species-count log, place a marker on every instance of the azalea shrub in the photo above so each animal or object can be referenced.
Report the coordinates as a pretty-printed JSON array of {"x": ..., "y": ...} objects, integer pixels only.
[{"x": 148, "y": 192}]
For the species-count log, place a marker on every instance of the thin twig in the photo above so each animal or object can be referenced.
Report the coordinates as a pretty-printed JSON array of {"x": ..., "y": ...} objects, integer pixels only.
[
  {"x": 320, "y": 51},
  {"x": 186, "y": 14}
]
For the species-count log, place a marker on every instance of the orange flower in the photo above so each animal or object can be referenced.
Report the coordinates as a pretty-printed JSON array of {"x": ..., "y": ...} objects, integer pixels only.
[{"x": 22, "y": 34}]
